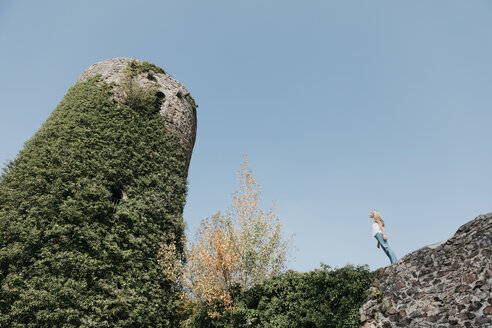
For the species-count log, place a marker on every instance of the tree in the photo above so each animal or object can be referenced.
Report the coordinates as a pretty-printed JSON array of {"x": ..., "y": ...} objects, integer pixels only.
[
  {"x": 257, "y": 233},
  {"x": 213, "y": 263},
  {"x": 234, "y": 251}
]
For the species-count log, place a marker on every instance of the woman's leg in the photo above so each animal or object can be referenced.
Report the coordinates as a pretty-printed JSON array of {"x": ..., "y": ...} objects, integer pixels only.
[
  {"x": 386, "y": 248},
  {"x": 384, "y": 245},
  {"x": 392, "y": 255}
]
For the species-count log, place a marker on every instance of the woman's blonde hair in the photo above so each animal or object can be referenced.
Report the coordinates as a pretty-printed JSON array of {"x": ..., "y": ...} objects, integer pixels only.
[{"x": 377, "y": 217}]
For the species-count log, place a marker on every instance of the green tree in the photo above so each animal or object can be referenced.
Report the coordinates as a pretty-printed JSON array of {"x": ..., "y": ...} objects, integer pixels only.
[
  {"x": 233, "y": 252},
  {"x": 256, "y": 233},
  {"x": 83, "y": 210}
]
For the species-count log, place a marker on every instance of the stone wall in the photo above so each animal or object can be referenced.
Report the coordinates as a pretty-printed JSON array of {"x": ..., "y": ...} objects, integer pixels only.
[
  {"x": 448, "y": 284},
  {"x": 178, "y": 113}
]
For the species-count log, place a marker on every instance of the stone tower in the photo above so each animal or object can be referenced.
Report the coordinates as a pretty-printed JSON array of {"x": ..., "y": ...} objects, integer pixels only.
[
  {"x": 92, "y": 206},
  {"x": 178, "y": 109}
]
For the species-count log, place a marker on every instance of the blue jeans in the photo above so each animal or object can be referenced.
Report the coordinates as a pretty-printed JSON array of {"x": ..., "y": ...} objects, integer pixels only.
[{"x": 386, "y": 247}]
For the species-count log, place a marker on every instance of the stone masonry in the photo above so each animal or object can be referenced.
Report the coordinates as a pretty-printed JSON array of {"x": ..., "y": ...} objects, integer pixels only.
[
  {"x": 448, "y": 284},
  {"x": 176, "y": 110}
]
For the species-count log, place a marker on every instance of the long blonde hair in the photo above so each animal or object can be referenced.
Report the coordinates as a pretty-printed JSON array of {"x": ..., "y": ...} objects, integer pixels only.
[{"x": 377, "y": 217}]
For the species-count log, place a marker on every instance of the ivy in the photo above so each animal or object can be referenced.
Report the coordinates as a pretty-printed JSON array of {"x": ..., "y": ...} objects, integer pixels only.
[
  {"x": 192, "y": 102},
  {"x": 73, "y": 251}
]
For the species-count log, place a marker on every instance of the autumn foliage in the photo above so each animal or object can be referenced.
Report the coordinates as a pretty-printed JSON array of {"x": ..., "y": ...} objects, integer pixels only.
[
  {"x": 213, "y": 264},
  {"x": 234, "y": 251}
]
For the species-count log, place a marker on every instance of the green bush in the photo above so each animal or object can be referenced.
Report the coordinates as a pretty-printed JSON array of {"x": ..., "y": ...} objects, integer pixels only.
[
  {"x": 322, "y": 298},
  {"x": 83, "y": 210}
]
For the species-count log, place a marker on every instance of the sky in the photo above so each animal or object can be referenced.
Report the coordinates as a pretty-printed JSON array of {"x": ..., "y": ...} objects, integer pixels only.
[{"x": 341, "y": 106}]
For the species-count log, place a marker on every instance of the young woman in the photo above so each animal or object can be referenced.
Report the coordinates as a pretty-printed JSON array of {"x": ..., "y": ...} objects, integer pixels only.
[{"x": 378, "y": 233}]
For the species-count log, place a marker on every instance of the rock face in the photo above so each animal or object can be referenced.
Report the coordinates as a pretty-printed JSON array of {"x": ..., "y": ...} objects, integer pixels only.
[
  {"x": 447, "y": 284},
  {"x": 177, "y": 109}
]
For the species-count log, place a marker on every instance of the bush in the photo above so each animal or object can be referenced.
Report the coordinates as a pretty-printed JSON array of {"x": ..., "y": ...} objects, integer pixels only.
[
  {"x": 83, "y": 210},
  {"x": 322, "y": 298}
]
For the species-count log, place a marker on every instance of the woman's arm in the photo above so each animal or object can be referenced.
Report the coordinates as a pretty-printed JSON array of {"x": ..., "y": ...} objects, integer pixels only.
[{"x": 382, "y": 230}]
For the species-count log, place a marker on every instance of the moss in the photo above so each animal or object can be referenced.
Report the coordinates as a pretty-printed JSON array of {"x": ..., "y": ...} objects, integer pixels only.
[
  {"x": 73, "y": 251},
  {"x": 192, "y": 102},
  {"x": 136, "y": 67},
  {"x": 377, "y": 294}
]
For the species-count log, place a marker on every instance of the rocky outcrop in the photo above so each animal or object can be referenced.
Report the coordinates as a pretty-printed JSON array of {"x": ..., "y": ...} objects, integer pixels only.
[
  {"x": 178, "y": 108},
  {"x": 447, "y": 284}
]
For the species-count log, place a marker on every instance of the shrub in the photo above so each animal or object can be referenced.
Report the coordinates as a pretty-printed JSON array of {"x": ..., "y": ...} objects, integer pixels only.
[
  {"x": 320, "y": 298},
  {"x": 136, "y": 67}
]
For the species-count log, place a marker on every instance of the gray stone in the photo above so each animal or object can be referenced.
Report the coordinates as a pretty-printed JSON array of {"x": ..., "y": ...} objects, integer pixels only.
[
  {"x": 177, "y": 112},
  {"x": 446, "y": 284}
]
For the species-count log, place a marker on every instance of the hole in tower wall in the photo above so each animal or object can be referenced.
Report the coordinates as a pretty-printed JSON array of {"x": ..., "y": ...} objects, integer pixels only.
[
  {"x": 116, "y": 195},
  {"x": 159, "y": 100},
  {"x": 151, "y": 76}
]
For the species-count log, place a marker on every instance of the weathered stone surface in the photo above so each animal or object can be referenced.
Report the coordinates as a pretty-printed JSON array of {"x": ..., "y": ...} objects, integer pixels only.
[
  {"x": 178, "y": 113},
  {"x": 446, "y": 284}
]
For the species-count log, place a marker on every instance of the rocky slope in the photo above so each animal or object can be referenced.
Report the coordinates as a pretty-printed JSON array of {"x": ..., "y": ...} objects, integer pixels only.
[{"x": 447, "y": 284}]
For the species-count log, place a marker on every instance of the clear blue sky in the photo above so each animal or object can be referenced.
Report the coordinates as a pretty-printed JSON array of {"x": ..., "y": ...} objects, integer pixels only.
[{"x": 341, "y": 106}]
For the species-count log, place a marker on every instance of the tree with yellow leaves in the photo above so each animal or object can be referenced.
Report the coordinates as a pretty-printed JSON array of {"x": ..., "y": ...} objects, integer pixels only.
[{"x": 236, "y": 250}]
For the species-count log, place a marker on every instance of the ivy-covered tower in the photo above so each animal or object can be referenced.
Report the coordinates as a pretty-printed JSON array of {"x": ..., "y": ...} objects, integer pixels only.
[{"x": 88, "y": 202}]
